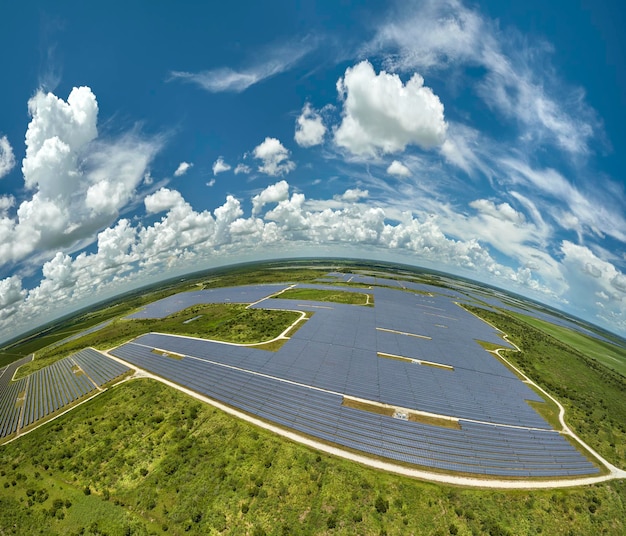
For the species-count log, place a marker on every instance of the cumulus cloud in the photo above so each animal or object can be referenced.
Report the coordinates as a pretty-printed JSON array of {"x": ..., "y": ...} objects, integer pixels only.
[
  {"x": 6, "y": 202},
  {"x": 586, "y": 263},
  {"x": 182, "y": 168},
  {"x": 7, "y": 159},
  {"x": 272, "y": 194},
  {"x": 352, "y": 195},
  {"x": 398, "y": 169},
  {"x": 274, "y": 157},
  {"x": 310, "y": 128},
  {"x": 592, "y": 277},
  {"x": 163, "y": 199},
  {"x": 11, "y": 291},
  {"x": 242, "y": 168},
  {"x": 381, "y": 114},
  {"x": 219, "y": 166},
  {"x": 184, "y": 239},
  {"x": 79, "y": 182}
]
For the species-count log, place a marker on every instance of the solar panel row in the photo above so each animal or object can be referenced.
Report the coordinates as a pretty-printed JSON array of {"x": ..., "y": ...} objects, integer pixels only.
[
  {"x": 48, "y": 390},
  {"x": 10, "y": 407}
]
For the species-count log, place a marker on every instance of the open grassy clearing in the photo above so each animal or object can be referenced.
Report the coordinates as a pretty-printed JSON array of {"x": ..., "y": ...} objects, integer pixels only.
[
  {"x": 592, "y": 394},
  {"x": 226, "y": 322},
  {"x": 142, "y": 458},
  {"x": 335, "y": 296},
  {"x": 610, "y": 355}
]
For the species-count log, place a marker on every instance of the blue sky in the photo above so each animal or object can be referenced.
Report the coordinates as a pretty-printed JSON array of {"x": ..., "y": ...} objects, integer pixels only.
[{"x": 142, "y": 140}]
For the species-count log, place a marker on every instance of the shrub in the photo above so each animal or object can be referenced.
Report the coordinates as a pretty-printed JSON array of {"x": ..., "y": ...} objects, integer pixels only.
[{"x": 381, "y": 505}]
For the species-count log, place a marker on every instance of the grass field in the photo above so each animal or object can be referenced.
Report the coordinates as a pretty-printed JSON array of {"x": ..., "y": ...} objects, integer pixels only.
[
  {"x": 145, "y": 459},
  {"x": 335, "y": 296},
  {"x": 610, "y": 355},
  {"x": 219, "y": 321}
]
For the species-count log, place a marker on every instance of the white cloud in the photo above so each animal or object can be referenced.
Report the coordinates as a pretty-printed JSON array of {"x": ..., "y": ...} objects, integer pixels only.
[
  {"x": 353, "y": 195},
  {"x": 80, "y": 182},
  {"x": 503, "y": 211},
  {"x": 242, "y": 168},
  {"x": 398, "y": 169},
  {"x": 219, "y": 166},
  {"x": 274, "y": 157},
  {"x": 470, "y": 151},
  {"x": 590, "y": 278},
  {"x": 277, "y": 60},
  {"x": 7, "y": 159},
  {"x": 6, "y": 202},
  {"x": 381, "y": 114},
  {"x": 597, "y": 212},
  {"x": 272, "y": 194},
  {"x": 184, "y": 239},
  {"x": 11, "y": 291},
  {"x": 310, "y": 128},
  {"x": 114, "y": 172},
  {"x": 162, "y": 200},
  {"x": 182, "y": 168},
  {"x": 593, "y": 268},
  {"x": 518, "y": 80}
]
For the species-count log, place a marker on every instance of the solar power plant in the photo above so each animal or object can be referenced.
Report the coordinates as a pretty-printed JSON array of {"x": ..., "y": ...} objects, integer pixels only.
[
  {"x": 87, "y": 331},
  {"x": 178, "y": 302},
  {"x": 414, "y": 352},
  {"x": 50, "y": 389}
]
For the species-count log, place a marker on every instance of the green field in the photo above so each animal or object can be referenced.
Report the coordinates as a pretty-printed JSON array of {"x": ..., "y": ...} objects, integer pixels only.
[
  {"x": 219, "y": 321},
  {"x": 335, "y": 296},
  {"x": 145, "y": 459},
  {"x": 610, "y": 355}
]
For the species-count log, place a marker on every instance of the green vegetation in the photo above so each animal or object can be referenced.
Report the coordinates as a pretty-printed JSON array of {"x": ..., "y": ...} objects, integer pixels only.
[
  {"x": 219, "y": 321},
  {"x": 592, "y": 394},
  {"x": 335, "y": 296},
  {"x": 610, "y": 355},
  {"x": 143, "y": 459}
]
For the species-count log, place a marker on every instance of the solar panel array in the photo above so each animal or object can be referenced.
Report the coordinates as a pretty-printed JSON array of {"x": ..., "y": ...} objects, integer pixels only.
[
  {"x": 87, "y": 331},
  {"x": 336, "y": 353},
  {"x": 178, "y": 302},
  {"x": 479, "y": 449},
  {"x": 50, "y": 389}
]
